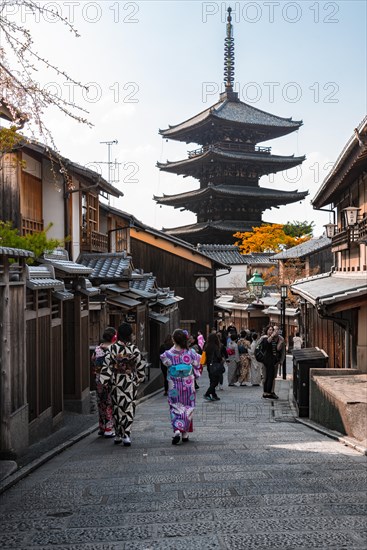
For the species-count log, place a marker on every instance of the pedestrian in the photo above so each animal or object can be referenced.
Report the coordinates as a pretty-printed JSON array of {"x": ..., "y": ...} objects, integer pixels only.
[
  {"x": 125, "y": 370},
  {"x": 201, "y": 340},
  {"x": 192, "y": 343},
  {"x": 167, "y": 344},
  {"x": 183, "y": 368},
  {"x": 233, "y": 360},
  {"x": 297, "y": 341},
  {"x": 223, "y": 350},
  {"x": 274, "y": 349},
  {"x": 104, "y": 404},
  {"x": 243, "y": 344},
  {"x": 214, "y": 361},
  {"x": 256, "y": 367}
]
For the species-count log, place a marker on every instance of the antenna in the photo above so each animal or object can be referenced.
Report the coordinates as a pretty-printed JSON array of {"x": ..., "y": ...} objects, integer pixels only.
[{"x": 112, "y": 165}]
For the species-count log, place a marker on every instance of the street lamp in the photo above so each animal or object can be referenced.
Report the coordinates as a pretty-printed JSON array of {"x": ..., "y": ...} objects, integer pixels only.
[
  {"x": 256, "y": 284},
  {"x": 283, "y": 296},
  {"x": 330, "y": 229}
]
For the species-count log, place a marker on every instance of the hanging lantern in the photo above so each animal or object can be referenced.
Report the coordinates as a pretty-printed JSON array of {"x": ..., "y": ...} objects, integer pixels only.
[
  {"x": 351, "y": 213},
  {"x": 256, "y": 284}
]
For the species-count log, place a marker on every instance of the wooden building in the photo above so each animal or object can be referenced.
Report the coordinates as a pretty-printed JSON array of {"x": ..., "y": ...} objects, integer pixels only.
[
  {"x": 228, "y": 164},
  {"x": 334, "y": 304},
  {"x": 14, "y": 426}
]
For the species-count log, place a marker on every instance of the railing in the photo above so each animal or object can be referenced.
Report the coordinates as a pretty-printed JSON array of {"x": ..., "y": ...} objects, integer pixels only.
[
  {"x": 31, "y": 226},
  {"x": 362, "y": 231},
  {"x": 241, "y": 147},
  {"x": 92, "y": 241}
]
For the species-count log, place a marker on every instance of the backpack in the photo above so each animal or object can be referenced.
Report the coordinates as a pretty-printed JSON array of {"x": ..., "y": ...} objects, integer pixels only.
[{"x": 259, "y": 352}]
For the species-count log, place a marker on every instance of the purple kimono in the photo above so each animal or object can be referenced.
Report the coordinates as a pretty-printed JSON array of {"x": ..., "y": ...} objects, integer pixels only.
[{"x": 181, "y": 391}]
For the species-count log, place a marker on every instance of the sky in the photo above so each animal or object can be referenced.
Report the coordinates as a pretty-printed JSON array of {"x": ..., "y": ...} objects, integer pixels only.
[{"x": 154, "y": 64}]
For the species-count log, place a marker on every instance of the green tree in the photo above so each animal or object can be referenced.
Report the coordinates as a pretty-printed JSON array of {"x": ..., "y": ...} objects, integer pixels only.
[{"x": 38, "y": 243}]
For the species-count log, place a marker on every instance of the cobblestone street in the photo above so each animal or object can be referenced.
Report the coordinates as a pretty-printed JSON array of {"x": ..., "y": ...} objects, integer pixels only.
[{"x": 250, "y": 477}]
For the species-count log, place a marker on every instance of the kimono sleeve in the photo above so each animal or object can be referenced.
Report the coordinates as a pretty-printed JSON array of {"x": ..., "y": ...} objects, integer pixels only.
[
  {"x": 196, "y": 358},
  {"x": 165, "y": 360},
  {"x": 140, "y": 364},
  {"x": 106, "y": 368}
]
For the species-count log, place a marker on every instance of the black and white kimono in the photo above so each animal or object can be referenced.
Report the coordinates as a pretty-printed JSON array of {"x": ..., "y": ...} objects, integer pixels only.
[{"x": 124, "y": 371}]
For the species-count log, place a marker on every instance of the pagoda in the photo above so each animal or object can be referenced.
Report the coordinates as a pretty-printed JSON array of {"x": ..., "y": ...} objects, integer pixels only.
[{"x": 228, "y": 164}]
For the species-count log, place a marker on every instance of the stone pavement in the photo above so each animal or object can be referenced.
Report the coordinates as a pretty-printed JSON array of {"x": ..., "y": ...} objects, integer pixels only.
[{"x": 249, "y": 478}]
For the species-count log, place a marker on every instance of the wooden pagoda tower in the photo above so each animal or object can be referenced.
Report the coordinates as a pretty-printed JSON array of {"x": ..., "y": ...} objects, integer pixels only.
[{"x": 228, "y": 164}]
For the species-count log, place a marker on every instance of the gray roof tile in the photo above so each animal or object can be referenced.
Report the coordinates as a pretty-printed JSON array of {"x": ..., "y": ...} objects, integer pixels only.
[
  {"x": 304, "y": 249},
  {"x": 108, "y": 267}
]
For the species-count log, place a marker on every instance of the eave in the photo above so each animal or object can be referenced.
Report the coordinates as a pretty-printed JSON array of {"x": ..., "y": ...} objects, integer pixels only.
[
  {"x": 269, "y": 197},
  {"x": 234, "y": 114},
  {"x": 269, "y": 163},
  {"x": 351, "y": 161}
]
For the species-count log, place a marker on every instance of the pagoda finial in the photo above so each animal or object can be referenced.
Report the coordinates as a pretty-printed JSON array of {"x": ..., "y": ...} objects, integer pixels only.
[{"x": 229, "y": 54}]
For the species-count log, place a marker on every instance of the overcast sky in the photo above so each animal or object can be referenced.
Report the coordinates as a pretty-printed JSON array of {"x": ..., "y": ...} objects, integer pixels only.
[{"x": 151, "y": 64}]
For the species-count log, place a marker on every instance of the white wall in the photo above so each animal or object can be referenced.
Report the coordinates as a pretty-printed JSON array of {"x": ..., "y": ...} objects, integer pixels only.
[
  {"x": 75, "y": 237},
  {"x": 53, "y": 201},
  {"x": 235, "y": 279}
]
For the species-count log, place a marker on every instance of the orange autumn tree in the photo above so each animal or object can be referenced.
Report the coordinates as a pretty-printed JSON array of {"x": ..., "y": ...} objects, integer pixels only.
[{"x": 273, "y": 237}]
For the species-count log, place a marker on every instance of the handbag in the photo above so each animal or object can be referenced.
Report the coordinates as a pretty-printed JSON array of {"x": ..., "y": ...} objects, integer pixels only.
[
  {"x": 180, "y": 371},
  {"x": 216, "y": 368}
]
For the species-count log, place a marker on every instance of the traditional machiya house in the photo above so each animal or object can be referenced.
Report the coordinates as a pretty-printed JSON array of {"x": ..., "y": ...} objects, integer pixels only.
[
  {"x": 228, "y": 164},
  {"x": 334, "y": 303},
  {"x": 309, "y": 258},
  {"x": 177, "y": 265},
  {"x": 38, "y": 188},
  {"x": 14, "y": 425}
]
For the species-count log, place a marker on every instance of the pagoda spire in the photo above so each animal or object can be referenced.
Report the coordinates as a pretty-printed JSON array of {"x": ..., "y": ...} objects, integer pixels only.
[{"x": 229, "y": 54}]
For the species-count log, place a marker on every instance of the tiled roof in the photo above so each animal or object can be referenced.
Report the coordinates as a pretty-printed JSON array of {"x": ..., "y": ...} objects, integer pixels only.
[
  {"x": 220, "y": 225},
  {"x": 304, "y": 249},
  {"x": 146, "y": 284},
  {"x": 268, "y": 162},
  {"x": 59, "y": 259},
  {"x": 238, "y": 112},
  {"x": 234, "y": 191},
  {"x": 108, "y": 267},
  {"x": 226, "y": 253},
  {"x": 42, "y": 277},
  {"x": 329, "y": 288},
  {"x": 15, "y": 252}
]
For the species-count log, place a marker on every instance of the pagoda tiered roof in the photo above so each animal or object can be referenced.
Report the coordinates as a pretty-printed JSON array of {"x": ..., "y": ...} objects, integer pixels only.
[
  {"x": 212, "y": 232},
  {"x": 192, "y": 166},
  {"x": 264, "y": 198},
  {"x": 228, "y": 117},
  {"x": 229, "y": 163}
]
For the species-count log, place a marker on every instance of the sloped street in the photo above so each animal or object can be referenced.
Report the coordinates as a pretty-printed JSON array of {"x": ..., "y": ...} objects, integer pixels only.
[{"x": 250, "y": 477}]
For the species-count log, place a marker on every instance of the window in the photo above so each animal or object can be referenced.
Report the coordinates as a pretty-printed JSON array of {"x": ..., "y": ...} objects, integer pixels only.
[{"x": 202, "y": 284}]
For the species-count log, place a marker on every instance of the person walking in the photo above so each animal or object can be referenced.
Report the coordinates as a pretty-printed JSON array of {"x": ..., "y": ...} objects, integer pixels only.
[
  {"x": 104, "y": 403},
  {"x": 183, "y": 366},
  {"x": 167, "y": 344},
  {"x": 201, "y": 340},
  {"x": 297, "y": 341},
  {"x": 233, "y": 360},
  {"x": 215, "y": 365},
  {"x": 124, "y": 370},
  {"x": 243, "y": 344},
  {"x": 273, "y": 346}
]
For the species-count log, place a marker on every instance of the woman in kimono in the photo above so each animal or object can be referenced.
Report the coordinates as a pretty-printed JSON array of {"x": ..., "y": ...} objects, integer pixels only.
[
  {"x": 124, "y": 371},
  {"x": 256, "y": 366},
  {"x": 233, "y": 360},
  {"x": 100, "y": 358},
  {"x": 183, "y": 369}
]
